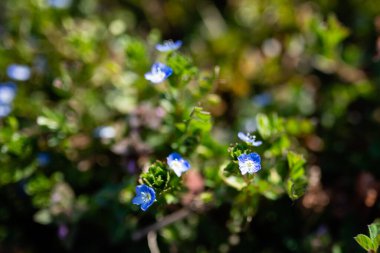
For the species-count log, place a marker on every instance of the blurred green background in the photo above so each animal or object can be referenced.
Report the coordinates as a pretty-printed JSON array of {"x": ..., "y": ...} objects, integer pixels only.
[{"x": 66, "y": 181}]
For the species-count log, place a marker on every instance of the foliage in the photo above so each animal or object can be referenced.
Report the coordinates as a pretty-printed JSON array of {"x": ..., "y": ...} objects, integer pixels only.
[
  {"x": 370, "y": 244},
  {"x": 97, "y": 110}
]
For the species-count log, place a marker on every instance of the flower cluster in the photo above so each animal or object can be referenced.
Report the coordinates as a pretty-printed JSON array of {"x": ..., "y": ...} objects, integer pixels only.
[
  {"x": 8, "y": 90},
  {"x": 159, "y": 72},
  {"x": 249, "y": 163},
  {"x": 145, "y": 195}
]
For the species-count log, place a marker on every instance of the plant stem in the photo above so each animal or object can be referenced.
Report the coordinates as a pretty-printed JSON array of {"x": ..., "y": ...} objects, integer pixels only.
[{"x": 181, "y": 214}]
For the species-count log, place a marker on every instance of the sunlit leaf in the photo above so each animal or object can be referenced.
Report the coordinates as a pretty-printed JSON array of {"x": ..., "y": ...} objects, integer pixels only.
[{"x": 364, "y": 241}]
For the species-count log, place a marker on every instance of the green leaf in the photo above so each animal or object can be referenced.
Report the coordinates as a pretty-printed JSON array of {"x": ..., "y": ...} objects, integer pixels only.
[
  {"x": 157, "y": 177},
  {"x": 297, "y": 182},
  {"x": 13, "y": 123},
  {"x": 376, "y": 243},
  {"x": 181, "y": 126},
  {"x": 43, "y": 217},
  {"x": 364, "y": 241},
  {"x": 237, "y": 149},
  {"x": 372, "y": 231},
  {"x": 268, "y": 190},
  {"x": 263, "y": 125},
  {"x": 280, "y": 146},
  {"x": 136, "y": 53},
  {"x": 269, "y": 126},
  {"x": 296, "y": 188},
  {"x": 182, "y": 66},
  {"x": 200, "y": 121},
  {"x": 296, "y": 162},
  {"x": 230, "y": 178},
  {"x": 19, "y": 144}
]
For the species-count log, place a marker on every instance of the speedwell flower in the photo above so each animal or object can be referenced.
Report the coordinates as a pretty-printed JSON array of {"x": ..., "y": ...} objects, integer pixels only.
[
  {"x": 7, "y": 92},
  {"x": 169, "y": 45},
  {"x": 158, "y": 73},
  {"x": 145, "y": 196},
  {"x": 249, "y": 163},
  {"x": 249, "y": 139},
  {"x": 43, "y": 159},
  {"x": 5, "y": 109},
  {"x": 59, "y": 4},
  {"x": 18, "y": 72},
  {"x": 105, "y": 132},
  {"x": 177, "y": 163}
]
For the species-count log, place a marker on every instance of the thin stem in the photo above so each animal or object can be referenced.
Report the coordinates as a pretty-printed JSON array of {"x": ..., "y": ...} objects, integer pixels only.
[
  {"x": 181, "y": 214},
  {"x": 152, "y": 242}
]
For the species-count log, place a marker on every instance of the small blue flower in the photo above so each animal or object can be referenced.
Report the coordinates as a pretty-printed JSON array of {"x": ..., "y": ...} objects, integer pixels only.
[
  {"x": 18, "y": 72},
  {"x": 105, "y": 132},
  {"x": 7, "y": 92},
  {"x": 249, "y": 139},
  {"x": 158, "y": 73},
  {"x": 145, "y": 196},
  {"x": 249, "y": 163},
  {"x": 169, "y": 45},
  {"x": 177, "y": 163},
  {"x": 59, "y": 4},
  {"x": 43, "y": 159},
  {"x": 262, "y": 99},
  {"x": 5, "y": 109}
]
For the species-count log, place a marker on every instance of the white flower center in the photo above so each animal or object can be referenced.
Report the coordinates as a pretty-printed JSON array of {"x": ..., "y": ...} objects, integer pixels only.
[
  {"x": 176, "y": 165},
  {"x": 250, "y": 165},
  {"x": 146, "y": 196},
  {"x": 169, "y": 43}
]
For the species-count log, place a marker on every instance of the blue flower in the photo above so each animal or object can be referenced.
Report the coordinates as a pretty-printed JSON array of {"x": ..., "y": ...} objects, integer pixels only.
[
  {"x": 105, "y": 132},
  {"x": 177, "y": 163},
  {"x": 43, "y": 159},
  {"x": 249, "y": 163},
  {"x": 7, "y": 92},
  {"x": 169, "y": 45},
  {"x": 263, "y": 99},
  {"x": 158, "y": 73},
  {"x": 18, "y": 72},
  {"x": 249, "y": 139},
  {"x": 59, "y": 4},
  {"x": 5, "y": 109},
  {"x": 145, "y": 196}
]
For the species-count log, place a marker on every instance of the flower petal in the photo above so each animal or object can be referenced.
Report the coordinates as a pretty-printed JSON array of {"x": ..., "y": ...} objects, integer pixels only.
[
  {"x": 18, "y": 72},
  {"x": 7, "y": 92},
  {"x": 158, "y": 73},
  {"x": 5, "y": 109},
  {"x": 169, "y": 45},
  {"x": 255, "y": 157},
  {"x": 137, "y": 200},
  {"x": 249, "y": 163},
  {"x": 173, "y": 156}
]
